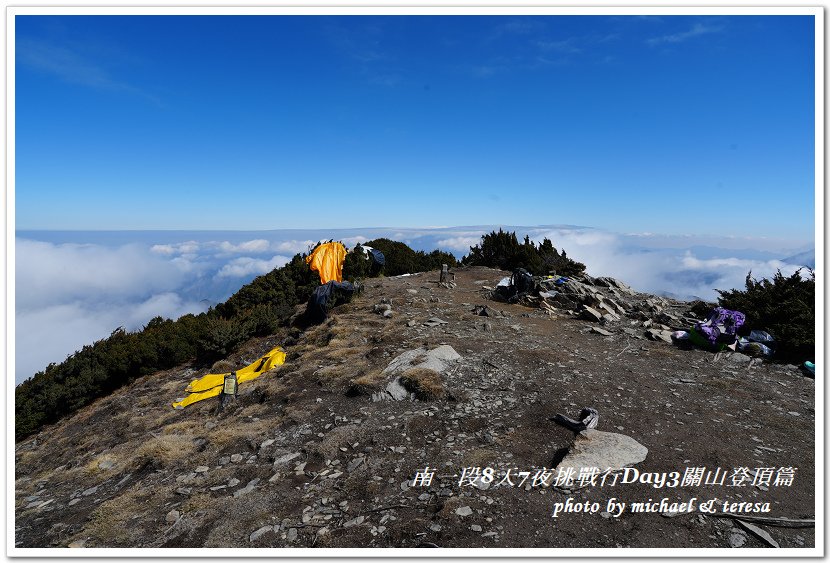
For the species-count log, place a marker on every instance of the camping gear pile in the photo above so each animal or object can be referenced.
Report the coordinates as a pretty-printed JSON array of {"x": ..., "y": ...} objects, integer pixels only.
[
  {"x": 612, "y": 303},
  {"x": 327, "y": 259},
  {"x": 213, "y": 384}
]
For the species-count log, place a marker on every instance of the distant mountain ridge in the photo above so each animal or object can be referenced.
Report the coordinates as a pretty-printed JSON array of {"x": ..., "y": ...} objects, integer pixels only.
[{"x": 806, "y": 258}]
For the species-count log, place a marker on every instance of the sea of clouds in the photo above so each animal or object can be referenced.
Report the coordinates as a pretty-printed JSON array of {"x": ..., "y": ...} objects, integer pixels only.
[{"x": 73, "y": 288}]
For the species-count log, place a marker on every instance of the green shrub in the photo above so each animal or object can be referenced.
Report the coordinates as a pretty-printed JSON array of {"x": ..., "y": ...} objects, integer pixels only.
[
  {"x": 784, "y": 307},
  {"x": 502, "y": 250},
  {"x": 400, "y": 259}
]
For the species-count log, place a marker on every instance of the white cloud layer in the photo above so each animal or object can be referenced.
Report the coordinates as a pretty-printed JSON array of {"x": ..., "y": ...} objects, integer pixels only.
[
  {"x": 69, "y": 295},
  {"x": 245, "y": 266}
]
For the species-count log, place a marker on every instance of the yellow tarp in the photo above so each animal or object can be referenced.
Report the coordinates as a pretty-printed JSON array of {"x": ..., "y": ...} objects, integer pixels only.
[
  {"x": 210, "y": 385},
  {"x": 328, "y": 260}
]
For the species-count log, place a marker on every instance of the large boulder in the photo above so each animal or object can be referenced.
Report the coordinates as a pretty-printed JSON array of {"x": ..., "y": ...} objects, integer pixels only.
[{"x": 603, "y": 450}]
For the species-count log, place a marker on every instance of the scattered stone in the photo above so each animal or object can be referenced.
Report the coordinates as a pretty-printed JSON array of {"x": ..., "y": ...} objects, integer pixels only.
[
  {"x": 736, "y": 540},
  {"x": 75, "y": 501},
  {"x": 591, "y": 314},
  {"x": 463, "y": 510},
  {"x": 172, "y": 516},
  {"x": 266, "y": 443},
  {"x": 286, "y": 458},
  {"x": 412, "y": 291},
  {"x": 656, "y": 334},
  {"x": 181, "y": 490},
  {"x": 738, "y": 358},
  {"x": 354, "y": 522},
  {"x": 601, "y": 331},
  {"x": 762, "y": 534},
  {"x": 202, "y": 469},
  {"x": 388, "y": 314},
  {"x": 90, "y": 491},
  {"x": 236, "y": 458},
  {"x": 475, "y": 528},
  {"x": 354, "y": 464},
  {"x": 248, "y": 488},
  {"x": 224, "y": 460},
  {"x": 410, "y": 324},
  {"x": 210, "y": 425},
  {"x": 77, "y": 544},
  {"x": 260, "y": 532},
  {"x": 292, "y": 534},
  {"x": 233, "y": 482},
  {"x": 435, "y": 321},
  {"x": 106, "y": 464}
]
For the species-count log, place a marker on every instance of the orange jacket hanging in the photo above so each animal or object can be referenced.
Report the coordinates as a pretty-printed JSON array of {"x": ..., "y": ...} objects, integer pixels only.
[{"x": 328, "y": 259}]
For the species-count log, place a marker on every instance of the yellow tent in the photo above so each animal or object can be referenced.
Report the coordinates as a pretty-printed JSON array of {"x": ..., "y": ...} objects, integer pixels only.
[
  {"x": 328, "y": 260},
  {"x": 210, "y": 385}
]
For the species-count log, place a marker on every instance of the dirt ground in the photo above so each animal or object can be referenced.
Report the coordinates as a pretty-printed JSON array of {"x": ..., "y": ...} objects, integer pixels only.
[{"x": 130, "y": 471}]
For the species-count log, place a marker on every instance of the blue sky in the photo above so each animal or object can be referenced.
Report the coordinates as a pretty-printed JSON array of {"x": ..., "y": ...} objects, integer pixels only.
[{"x": 671, "y": 124}]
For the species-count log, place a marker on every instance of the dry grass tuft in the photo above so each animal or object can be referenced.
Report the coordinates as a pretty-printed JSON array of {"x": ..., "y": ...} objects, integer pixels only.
[
  {"x": 164, "y": 451},
  {"x": 109, "y": 524},
  {"x": 425, "y": 383},
  {"x": 368, "y": 383}
]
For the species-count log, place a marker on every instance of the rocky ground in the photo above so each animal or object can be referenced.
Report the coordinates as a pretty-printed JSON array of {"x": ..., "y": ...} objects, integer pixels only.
[{"x": 324, "y": 451}]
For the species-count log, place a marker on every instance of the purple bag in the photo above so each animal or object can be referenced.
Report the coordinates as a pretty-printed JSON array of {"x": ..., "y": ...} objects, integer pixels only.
[{"x": 721, "y": 326}]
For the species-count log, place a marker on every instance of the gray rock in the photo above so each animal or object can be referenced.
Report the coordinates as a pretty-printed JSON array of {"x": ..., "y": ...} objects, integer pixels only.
[
  {"x": 77, "y": 544},
  {"x": 463, "y": 510},
  {"x": 260, "y": 532},
  {"x": 354, "y": 522},
  {"x": 266, "y": 443},
  {"x": 248, "y": 488},
  {"x": 106, "y": 464},
  {"x": 397, "y": 391},
  {"x": 656, "y": 334},
  {"x": 594, "y": 448},
  {"x": 601, "y": 331},
  {"x": 591, "y": 314},
  {"x": 236, "y": 458},
  {"x": 410, "y": 324},
  {"x": 74, "y": 501},
  {"x": 759, "y": 532},
  {"x": 233, "y": 482},
  {"x": 738, "y": 358},
  {"x": 292, "y": 534},
  {"x": 381, "y": 308},
  {"x": 437, "y": 359},
  {"x": 90, "y": 491},
  {"x": 354, "y": 464},
  {"x": 475, "y": 528},
  {"x": 736, "y": 539},
  {"x": 202, "y": 469},
  {"x": 388, "y": 314},
  {"x": 286, "y": 458},
  {"x": 172, "y": 516},
  {"x": 224, "y": 460},
  {"x": 435, "y": 321}
]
